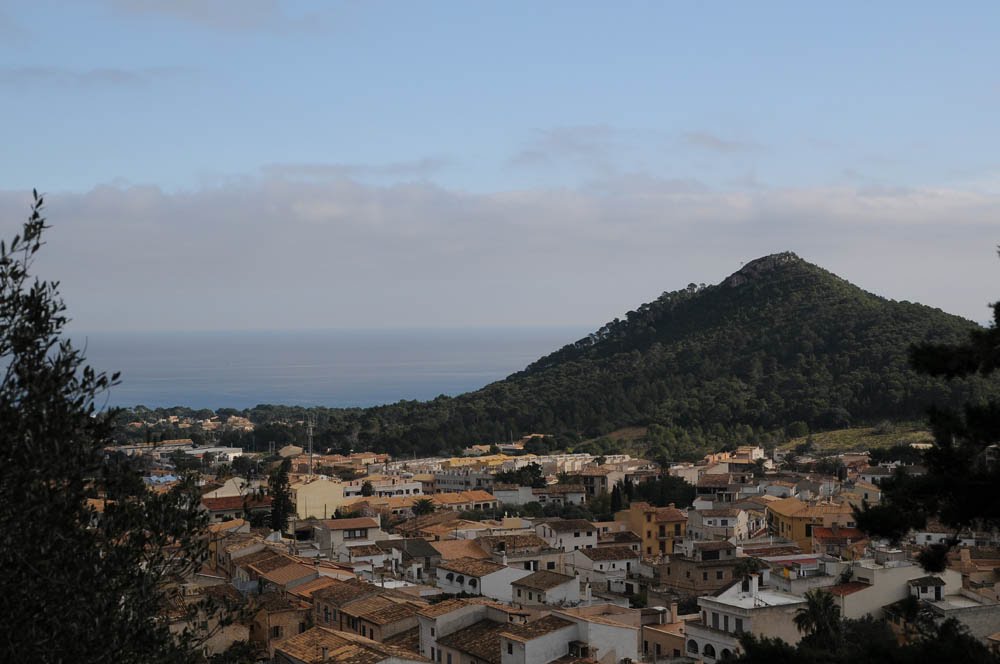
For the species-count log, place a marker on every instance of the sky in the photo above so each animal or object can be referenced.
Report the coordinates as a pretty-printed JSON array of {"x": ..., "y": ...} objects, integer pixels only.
[{"x": 261, "y": 164}]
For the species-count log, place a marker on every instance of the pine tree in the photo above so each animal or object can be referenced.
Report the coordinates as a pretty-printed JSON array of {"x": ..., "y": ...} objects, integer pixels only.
[
  {"x": 281, "y": 496},
  {"x": 82, "y": 580},
  {"x": 963, "y": 467},
  {"x": 616, "y": 499}
]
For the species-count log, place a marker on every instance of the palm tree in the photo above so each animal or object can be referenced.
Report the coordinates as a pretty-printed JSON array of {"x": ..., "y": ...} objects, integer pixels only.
[
  {"x": 423, "y": 506},
  {"x": 819, "y": 619}
]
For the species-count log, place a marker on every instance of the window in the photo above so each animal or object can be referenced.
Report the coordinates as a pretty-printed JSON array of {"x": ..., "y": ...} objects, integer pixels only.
[
  {"x": 709, "y": 650},
  {"x": 693, "y": 646},
  {"x": 725, "y": 522},
  {"x": 704, "y": 576},
  {"x": 432, "y": 631},
  {"x": 677, "y": 529},
  {"x": 715, "y": 620},
  {"x": 550, "y": 565},
  {"x": 449, "y": 658},
  {"x": 576, "y": 534},
  {"x": 649, "y": 517},
  {"x": 725, "y": 623},
  {"x": 473, "y": 583},
  {"x": 432, "y": 654},
  {"x": 276, "y": 632},
  {"x": 518, "y": 594},
  {"x": 531, "y": 596},
  {"x": 302, "y": 627},
  {"x": 739, "y": 625},
  {"x": 718, "y": 575},
  {"x": 658, "y": 651},
  {"x": 589, "y": 533},
  {"x": 510, "y": 648}
]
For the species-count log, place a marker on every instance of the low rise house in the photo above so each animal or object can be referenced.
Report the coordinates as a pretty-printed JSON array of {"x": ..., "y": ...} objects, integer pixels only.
[
  {"x": 744, "y": 606},
  {"x": 728, "y": 523},
  {"x": 478, "y": 577},
  {"x": 414, "y": 558},
  {"x": 320, "y": 645},
  {"x": 845, "y": 543},
  {"x": 527, "y": 551},
  {"x": 568, "y": 534},
  {"x": 659, "y": 527},
  {"x": 228, "y": 508},
  {"x": 277, "y": 617},
  {"x": 545, "y": 587},
  {"x": 795, "y": 519},
  {"x": 664, "y": 638},
  {"x": 317, "y": 497},
  {"x": 876, "y": 583},
  {"x": 604, "y": 566},
  {"x": 333, "y": 536},
  {"x": 702, "y": 568}
]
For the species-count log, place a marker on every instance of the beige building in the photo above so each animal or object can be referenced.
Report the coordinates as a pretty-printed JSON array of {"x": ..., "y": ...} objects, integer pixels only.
[{"x": 317, "y": 497}]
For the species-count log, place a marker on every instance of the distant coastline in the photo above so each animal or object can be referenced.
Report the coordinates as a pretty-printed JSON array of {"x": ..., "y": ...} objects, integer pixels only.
[{"x": 335, "y": 368}]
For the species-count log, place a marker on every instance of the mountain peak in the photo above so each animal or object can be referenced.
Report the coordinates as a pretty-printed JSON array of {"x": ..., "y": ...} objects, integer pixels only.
[{"x": 761, "y": 266}]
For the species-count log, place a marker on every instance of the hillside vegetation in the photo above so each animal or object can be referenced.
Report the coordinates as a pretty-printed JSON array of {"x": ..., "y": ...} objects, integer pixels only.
[{"x": 779, "y": 349}]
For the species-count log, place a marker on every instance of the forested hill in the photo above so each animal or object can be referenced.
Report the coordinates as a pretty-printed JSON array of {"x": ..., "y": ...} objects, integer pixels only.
[{"x": 779, "y": 345}]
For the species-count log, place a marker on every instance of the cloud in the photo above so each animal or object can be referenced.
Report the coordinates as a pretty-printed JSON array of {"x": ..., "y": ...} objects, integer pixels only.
[
  {"x": 592, "y": 146},
  {"x": 85, "y": 78},
  {"x": 273, "y": 252},
  {"x": 224, "y": 15},
  {"x": 704, "y": 140},
  {"x": 416, "y": 168}
]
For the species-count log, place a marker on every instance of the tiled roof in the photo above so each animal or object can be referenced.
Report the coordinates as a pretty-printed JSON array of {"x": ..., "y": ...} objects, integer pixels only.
[
  {"x": 349, "y": 524},
  {"x": 536, "y": 628},
  {"x": 512, "y": 543},
  {"x": 471, "y": 566},
  {"x": 561, "y": 488},
  {"x": 721, "y": 545},
  {"x": 343, "y": 647},
  {"x": 414, "y": 547},
  {"x": 272, "y": 563},
  {"x": 345, "y": 591},
  {"x": 361, "y": 550},
  {"x": 565, "y": 525},
  {"x": 235, "y": 503},
  {"x": 610, "y": 553},
  {"x": 480, "y": 639},
  {"x": 620, "y": 537},
  {"x": 725, "y": 511},
  {"x": 289, "y": 573},
  {"x": 848, "y": 588},
  {"x": 307, "y": 589},
  {"x": 441, "y": 608},
  {"x": 461, "y": 548},
  {"x": 544, "y": 580},
  {"x": 715, "y": 480},
  {"x": 255, "y": 557},
  {"x": 841, "y": 534},
  {"x": 927, "y": 581},
  {"x": 393, "y": 613},
  {"x": 667, "y": 514},
  {"x": 408, "y": 640},
  {"x": 474, "y": 496}
]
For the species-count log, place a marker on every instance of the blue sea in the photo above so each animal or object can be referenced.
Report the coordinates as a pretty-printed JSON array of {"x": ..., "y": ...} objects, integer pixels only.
[{"x": 335, "y": 368}]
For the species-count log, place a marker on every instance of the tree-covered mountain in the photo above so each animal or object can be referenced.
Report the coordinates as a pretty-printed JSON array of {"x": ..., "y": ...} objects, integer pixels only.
[{"x": 781, "y": 344}]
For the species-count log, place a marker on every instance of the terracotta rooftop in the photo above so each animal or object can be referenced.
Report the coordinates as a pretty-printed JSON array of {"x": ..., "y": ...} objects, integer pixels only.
[
  {"x": 561, "y": 488},
  {"x": 610, "y": 553},
  {"x": 512, "y": 543},
  {"x": 566, "y": 525},
  {"x": 726, "y": 511},
  {"x": 271, "y": 563},
  {"x": 360, "y": 550},
  {"x": 441, "y": 608},
  {"x": 320, "y": 644},
  {"x": 391, "y": 613},
  {"x": 536, "y": 628},
  {"x": 289, "y": 573},
  {"x": 408, "y": 640},
  {"x": 480, "y": 639},
  {"x": 414, "y": 547},
  {"x": 462, "y": 548},
  {"x": 544, "y": 580},
  {"x": 343, "y": 592},
  {"x": 848, "y": 588},
  {"x": 235, "y": 503},
  {"x": 471, "y": 566},
  {"x": 721, "y": 545},
  {"x": 307, "y": 589},
  {"x": 853, "y": 534},
  {"x": 667, "y": 514},
  {"x": 349, "y": 524},
  {"x": 715, "y": 480},
  {"x": 620, "y": 537}
]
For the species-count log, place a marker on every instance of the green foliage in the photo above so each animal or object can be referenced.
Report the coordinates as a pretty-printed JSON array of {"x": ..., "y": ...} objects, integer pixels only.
[
  {"x": 423, "y": 506},
  {"x": 665, "y": 490},
  {"x": 781, "y": 343},
  {"x": 281, "y": 496},
  {"x": 367, "y": 489},
  {"x": 529, "y": 475},
  {"x": 963, "y": 448},
  {"x": 78, "y": 585}
]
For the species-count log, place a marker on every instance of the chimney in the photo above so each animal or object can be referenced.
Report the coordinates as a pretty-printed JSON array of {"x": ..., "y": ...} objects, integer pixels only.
[
  {"x": 673, "y": 613},
  {"x": 754, "y": 585}
]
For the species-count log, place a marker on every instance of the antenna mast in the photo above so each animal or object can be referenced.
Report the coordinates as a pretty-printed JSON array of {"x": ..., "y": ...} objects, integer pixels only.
[{"x": 309, "y": 430}]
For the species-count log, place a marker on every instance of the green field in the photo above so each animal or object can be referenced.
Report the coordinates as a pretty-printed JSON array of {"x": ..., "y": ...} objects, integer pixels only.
[{"x": 859, "y": 439}]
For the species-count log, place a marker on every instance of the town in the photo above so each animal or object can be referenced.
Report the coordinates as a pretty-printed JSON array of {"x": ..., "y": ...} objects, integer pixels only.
[{"x": 500, "y": 556}]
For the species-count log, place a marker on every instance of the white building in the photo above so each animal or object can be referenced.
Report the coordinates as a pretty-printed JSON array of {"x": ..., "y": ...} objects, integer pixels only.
[
  {"x": 568, "y": 535},
  {"x": 478, "y": 577},
  {"x": 743, "y": 607},
  {"x": 545, "y": 587}
]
